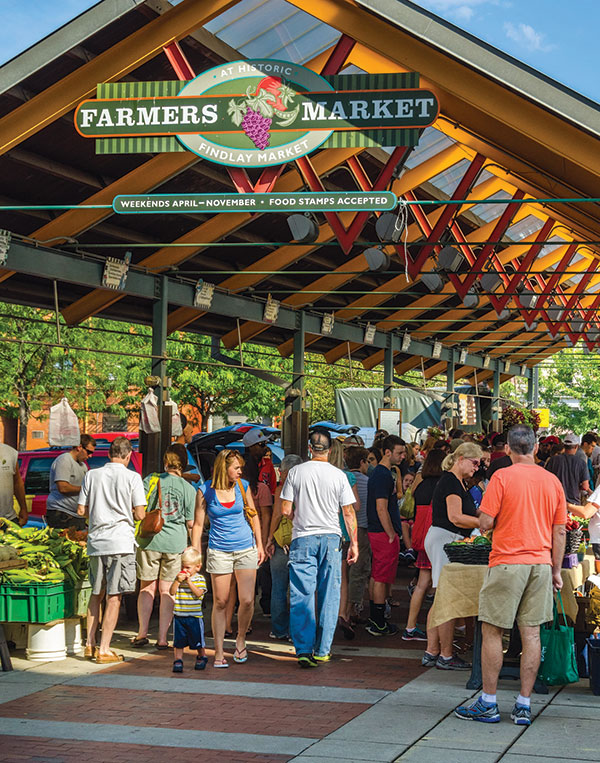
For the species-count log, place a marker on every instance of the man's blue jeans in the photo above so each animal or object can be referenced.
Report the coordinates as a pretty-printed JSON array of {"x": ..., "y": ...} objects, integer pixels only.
[
  {"x": 315, "y": 567},
  {"x": 280, "y": 580}
]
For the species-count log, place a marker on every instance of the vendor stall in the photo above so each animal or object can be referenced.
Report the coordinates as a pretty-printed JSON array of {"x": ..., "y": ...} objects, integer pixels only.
[
  {"x": 457, "y": 595},
  {"x": 43, "y": 584}
]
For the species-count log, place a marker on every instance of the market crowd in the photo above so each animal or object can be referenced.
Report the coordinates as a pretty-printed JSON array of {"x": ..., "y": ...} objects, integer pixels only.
[{"x": 322, "y": 540}]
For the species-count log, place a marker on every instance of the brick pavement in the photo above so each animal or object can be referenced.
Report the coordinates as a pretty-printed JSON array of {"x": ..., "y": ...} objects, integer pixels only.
[{"x": 129, "y": 711}]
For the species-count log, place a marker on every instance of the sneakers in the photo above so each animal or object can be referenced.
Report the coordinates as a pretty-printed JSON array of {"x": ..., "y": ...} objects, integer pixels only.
[
  {"x": 452, "y": 663},
  {"x": 521, "y": 715},
  {"x": 307, "y": 661},
  {"x": 389, "y": 629},
  {"x": 416, "y": 634},
  {"x": 178, "y": 666},
  {"x": 322, "y": 657},
  {"x": 478, "y": 711},
  {"x": 279, "y": 638},
  {"x": 429, "y": 660}
]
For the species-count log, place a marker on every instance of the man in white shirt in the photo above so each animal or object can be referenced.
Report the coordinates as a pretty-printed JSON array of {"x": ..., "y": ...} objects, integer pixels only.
[
  {"x": 313, "y": 494},
  {"x": 66, "y": 475},
  {"x": 11, "y": 484},
  {"x": 113, "y": 498}
]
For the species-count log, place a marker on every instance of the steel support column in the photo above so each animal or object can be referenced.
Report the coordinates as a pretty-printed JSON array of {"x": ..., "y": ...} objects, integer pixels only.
[
  {"x": 153, "y": 445},
  {"x": 496, "y": 398},
  {"x": 298, "y": 361},
  {"x": 532, "y": 388},
  {"x": 450, "y": 396},
  {"x": 388, "y": 373}
]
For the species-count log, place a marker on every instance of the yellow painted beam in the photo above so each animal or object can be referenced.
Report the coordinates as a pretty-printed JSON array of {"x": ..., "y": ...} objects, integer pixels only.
[{"x": 109, "y": 66}]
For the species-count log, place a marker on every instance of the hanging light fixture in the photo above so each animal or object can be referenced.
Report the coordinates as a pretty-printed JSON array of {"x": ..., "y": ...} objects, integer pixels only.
[
  {"x": 303, "y": 228},
  {"x": 554, "y": 313},
  {"x": 527, "y": 298},
  {"x": 471, "y": 300},
  {"x": 369, "y": 336},
  {"x": 490, "y": 282},
  {"x": 377, "y": 259},
  {"x": 387, "y": 227},
  {"x": 271, "y": 310},
  {"x": 327, "y": 323},
  {"x": 450, "y": 260},
  {"x": 433, "y": 282},
  {"x": 577, "y": 327}
]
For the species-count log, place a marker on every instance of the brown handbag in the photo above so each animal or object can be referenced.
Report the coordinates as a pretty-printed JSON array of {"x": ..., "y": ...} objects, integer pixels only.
[
  {"x": 249, "y": 511},
  {"x": 153, "y": 521}
]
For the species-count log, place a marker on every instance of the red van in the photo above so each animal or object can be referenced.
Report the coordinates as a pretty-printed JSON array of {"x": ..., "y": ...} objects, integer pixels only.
[{"x": 34, "y": 466}]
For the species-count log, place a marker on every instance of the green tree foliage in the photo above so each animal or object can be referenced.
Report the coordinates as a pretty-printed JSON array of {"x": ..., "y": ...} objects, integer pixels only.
[
  {"x": 216, "y": 389},
  {"x": 571, "y": 375},
  {"x": 37, "y": 373}
]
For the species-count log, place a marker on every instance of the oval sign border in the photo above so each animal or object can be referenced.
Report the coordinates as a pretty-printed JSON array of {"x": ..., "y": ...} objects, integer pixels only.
[{"x": 310, "y": 80}]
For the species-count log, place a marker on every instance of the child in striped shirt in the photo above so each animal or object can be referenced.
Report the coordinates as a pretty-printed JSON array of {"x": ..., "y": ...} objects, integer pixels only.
[{"x": 188, "y": 590}]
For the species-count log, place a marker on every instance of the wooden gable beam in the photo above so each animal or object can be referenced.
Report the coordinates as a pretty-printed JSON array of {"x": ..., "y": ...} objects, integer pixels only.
[{"x": 109, "y": 66}]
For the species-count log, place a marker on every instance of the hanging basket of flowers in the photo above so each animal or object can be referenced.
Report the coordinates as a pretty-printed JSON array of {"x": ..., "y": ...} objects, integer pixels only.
[{"x": 513, "y": 415}]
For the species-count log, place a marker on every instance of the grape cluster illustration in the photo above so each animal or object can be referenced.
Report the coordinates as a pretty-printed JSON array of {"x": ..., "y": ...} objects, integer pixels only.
[
  {"x": 256, "y": 112},
  {"x": 256, "y": 127}
]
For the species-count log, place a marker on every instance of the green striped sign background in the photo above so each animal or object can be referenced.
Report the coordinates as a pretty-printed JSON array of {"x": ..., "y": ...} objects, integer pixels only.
[{"x": 170, "y": 144}]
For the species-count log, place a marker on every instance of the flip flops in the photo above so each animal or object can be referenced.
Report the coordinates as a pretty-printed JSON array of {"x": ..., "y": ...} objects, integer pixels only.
[
  {"x": 220, "y": 664},
  {"x": 161, "y": 646},
  {"x": 237, "y": 655},
  {"x": 136, "y": 643}
]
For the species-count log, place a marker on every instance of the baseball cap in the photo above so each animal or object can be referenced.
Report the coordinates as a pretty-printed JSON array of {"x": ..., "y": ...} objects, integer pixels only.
[
  {"x": 571, "y": 439},
  {"x": 320, "y": 439},
  {"x": 550, "y": 440},
  {"x": 254, "y": 437}
]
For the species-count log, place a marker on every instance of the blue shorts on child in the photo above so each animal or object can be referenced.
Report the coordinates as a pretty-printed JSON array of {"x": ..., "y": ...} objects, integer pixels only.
[{"x": 188, "y": 631}]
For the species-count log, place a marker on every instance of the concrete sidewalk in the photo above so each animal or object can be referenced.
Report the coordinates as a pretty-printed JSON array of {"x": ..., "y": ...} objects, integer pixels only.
[{"x": 373, "y": 702}]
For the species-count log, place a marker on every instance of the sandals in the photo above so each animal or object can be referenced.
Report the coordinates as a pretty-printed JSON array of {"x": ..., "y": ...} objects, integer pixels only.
[
  {"x": 346, "y": 628},
  {"x": 228, "y": 634},
  {"x": 107, "y": 659},
  {"x": 90, "y": 652},
  {"x": 237, "y": 655},
  {"x": 220, "y": 663},
  {"x": 161, "y": 646},
  {"x": 136, "y": 643},
  {"x": 201, "y": 663}
]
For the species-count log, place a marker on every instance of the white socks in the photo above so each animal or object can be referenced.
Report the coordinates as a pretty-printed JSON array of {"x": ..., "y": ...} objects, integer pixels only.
[
  {"x": 489, "y": 699},
  {"x": 525, "y": 701}
]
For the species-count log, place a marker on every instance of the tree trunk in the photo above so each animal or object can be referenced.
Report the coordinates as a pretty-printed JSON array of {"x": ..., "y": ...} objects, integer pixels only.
[{"x": 23, "y": 422}]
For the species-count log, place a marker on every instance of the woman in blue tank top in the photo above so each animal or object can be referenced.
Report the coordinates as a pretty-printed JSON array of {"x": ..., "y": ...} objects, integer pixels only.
[{"x": 234, "y": 547}]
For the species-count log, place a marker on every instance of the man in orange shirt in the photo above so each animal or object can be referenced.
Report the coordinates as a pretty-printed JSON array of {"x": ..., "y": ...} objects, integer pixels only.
[{"x": 526, "y": 506}]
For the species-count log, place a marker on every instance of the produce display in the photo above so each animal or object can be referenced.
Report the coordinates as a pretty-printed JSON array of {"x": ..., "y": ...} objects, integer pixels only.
[
  {"x": 477, "y": 540},
  {"x": 8, "y": 553},
  {"x": 574, "y": 535},
  {"x": 52, "y": 556}
]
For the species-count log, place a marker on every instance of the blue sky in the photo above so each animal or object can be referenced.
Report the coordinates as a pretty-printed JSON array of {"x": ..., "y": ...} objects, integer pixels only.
[{"x": 557, "y": 38}]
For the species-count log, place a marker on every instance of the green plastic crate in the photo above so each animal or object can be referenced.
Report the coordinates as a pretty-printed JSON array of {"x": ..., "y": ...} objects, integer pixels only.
[{"x": 36, "y": 602}]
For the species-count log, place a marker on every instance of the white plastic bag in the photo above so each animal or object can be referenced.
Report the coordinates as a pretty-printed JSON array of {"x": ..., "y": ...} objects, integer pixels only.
[
  {"x": 149, "y": 421},
  {"x": 176, "y": 429},
  {"x": 63, "y": 427}
]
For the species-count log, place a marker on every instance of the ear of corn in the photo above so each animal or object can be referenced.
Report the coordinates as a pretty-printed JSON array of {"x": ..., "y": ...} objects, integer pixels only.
[{"x": 51, "y": 555}]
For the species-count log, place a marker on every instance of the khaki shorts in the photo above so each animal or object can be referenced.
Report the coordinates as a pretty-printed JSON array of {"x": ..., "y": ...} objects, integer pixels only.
[
  {"x": 225, "y": 562},
  {"x": 521, "y": 592},
  {"x": 154, "y": 565}
]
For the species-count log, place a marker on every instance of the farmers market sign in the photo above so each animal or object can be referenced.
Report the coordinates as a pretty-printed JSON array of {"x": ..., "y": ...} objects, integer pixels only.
[{"x": 258, "y": 113}]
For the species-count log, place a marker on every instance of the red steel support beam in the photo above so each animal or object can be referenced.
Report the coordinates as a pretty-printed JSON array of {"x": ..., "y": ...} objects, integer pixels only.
[{"x": 415, "y": 266}]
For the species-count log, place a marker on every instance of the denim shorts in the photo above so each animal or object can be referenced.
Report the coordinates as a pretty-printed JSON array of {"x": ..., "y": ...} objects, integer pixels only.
[{"x": 188, "y": 631}]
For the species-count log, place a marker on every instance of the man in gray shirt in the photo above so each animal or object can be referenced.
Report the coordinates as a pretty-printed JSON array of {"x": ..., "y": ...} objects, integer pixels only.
[{"x": 66, "y": 475}]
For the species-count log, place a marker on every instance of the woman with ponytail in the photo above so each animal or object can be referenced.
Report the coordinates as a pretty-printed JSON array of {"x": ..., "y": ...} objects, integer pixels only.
[
  {"x": 454, "y": 516},
  {"x": 158, "y": 557}
]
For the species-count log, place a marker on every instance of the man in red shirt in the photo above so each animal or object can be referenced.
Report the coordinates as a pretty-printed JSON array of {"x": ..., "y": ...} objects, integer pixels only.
[{"x": 526, "y": 506}]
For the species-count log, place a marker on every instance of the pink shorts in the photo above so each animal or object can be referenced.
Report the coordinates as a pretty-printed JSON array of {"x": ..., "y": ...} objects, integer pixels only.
[{"x": 385, "y": 557}]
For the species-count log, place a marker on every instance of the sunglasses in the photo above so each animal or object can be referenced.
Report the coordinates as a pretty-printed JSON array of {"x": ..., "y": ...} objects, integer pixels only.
[{"x": 474, "y": 461}]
